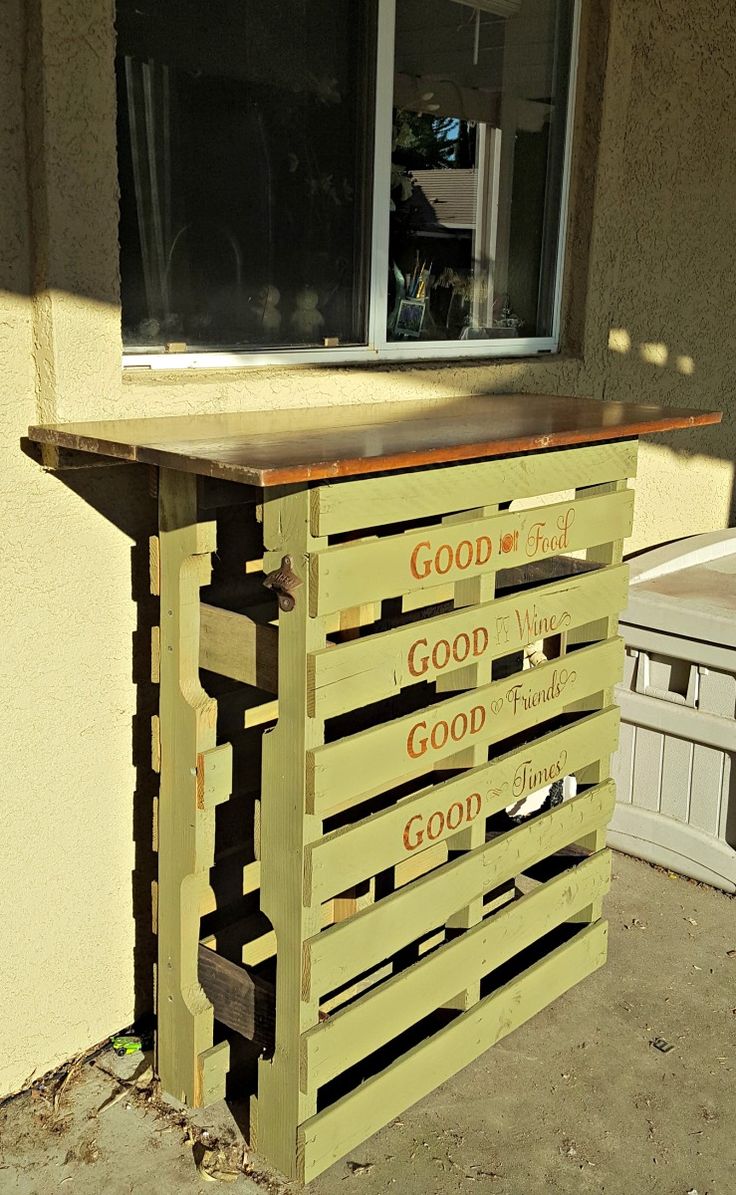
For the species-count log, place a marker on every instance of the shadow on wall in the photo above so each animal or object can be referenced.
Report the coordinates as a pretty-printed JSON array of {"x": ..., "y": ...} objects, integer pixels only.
[
  {"x": 125, "y": 495},
  {"x": 673, "y": 368},
  {"x": 122, "y": 495}
]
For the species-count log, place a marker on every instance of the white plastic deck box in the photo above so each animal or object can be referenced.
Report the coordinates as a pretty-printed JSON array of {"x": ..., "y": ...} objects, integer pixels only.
[{"x": 675, "y": 774}]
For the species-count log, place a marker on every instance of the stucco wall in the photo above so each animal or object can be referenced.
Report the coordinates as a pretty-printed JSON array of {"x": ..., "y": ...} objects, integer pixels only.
[{"x": 649, "y": 310}]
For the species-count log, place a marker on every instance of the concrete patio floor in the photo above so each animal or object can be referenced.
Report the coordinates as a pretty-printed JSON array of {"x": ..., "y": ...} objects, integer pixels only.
[{"x": 576, "y": 1101}]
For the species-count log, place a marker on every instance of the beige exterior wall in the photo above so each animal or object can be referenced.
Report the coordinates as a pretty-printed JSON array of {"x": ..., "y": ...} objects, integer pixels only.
[{"x": 648, "y": 318}]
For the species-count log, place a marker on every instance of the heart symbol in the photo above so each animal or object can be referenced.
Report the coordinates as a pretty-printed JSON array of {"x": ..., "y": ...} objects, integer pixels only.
[{"x": 497, "y": 706}]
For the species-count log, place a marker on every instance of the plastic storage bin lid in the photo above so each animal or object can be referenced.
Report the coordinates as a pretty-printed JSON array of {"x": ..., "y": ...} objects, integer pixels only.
[{"x": 687, "y": 588}]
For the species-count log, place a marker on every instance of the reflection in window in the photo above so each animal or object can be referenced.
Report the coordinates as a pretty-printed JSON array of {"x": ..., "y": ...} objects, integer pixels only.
[
  {"x": 246, "y": 136},
  {"x": 480, "y": 98},
  {"x": 244, "y": 169}
]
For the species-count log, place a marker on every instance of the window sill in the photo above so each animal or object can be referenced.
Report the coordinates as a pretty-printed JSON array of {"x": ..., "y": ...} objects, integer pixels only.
[{"x": 399, "y": 354}]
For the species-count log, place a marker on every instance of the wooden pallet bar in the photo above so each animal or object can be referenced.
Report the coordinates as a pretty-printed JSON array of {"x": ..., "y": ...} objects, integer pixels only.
[{"x": 342, "y": 883}]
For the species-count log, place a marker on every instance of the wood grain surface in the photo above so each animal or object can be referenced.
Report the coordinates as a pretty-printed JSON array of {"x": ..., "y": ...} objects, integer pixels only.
[{"x": 280, "y": 447}]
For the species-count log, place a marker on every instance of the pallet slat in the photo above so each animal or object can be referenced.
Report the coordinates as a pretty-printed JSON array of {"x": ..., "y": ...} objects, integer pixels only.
[
  {"x": 337, "y": 773},
  {"x": 383, "y": 1013},
  {"x": 234, "y": 645},
  {"x": 283, "y": 833},
  {"x": 194, "y": 777},
  {"x": 242, "y": 1001},
  {"x": 340, "y": 953},
  {"x": 350, "y": 675},
  {"x": 354, "y": 574},
  {"x": 329, "y": 1135},
  {"x": 407, "y": 830},
  {"x": 347, "y": 506}
]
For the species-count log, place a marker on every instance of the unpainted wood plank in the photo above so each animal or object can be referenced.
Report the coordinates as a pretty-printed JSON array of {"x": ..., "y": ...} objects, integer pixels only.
[
  {"x": 406, "y": 998},
  {"x": 235, "y": 645},
  {"x": 352, "y": 574},
  {"x": 353, "y": 674},
  {"x": 343, "y": 951},
  {"x": 353, "y": 853},
  {"x": 363, "y": 764},
  {"x": 332, "y": 1133},
  {"x": 241, "y": 1000},
  {"x": 351, "y": 505}
]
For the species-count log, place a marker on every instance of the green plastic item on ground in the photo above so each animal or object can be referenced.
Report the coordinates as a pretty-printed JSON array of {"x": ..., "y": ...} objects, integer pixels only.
[{"x": 126, "y": 1044}]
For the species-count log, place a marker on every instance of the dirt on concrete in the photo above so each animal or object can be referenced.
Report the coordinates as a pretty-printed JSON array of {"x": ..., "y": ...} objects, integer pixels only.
[{"x": 578, "y": 1101}]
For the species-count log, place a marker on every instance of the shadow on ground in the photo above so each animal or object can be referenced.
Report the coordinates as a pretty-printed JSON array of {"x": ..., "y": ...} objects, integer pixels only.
[{"x": 576, "y": 1101}]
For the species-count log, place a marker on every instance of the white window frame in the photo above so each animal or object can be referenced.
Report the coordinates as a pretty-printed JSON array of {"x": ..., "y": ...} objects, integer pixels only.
[{"x": 379, "y": 349}]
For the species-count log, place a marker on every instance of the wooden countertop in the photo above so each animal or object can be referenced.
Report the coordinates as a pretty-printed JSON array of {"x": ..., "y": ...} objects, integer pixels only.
[{"x": 267, "y": 448}]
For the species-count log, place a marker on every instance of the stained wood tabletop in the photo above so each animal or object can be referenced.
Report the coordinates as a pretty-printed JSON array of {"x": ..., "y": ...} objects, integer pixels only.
[{"x": 268, "y": 448}]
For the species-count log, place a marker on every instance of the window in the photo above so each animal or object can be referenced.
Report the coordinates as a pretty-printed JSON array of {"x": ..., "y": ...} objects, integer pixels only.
[{"x": 341, "y": 179}]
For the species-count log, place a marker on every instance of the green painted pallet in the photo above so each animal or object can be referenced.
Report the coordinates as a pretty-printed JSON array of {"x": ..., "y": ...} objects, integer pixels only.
[{"x": 385, "y": 886}]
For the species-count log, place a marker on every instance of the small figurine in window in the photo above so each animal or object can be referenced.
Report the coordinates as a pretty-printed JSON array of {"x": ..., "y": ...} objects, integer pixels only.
[
  {"x": 307, "y": 321},
  {"x": 508, "y": 319},
  {"x": 265, "y": 311}
]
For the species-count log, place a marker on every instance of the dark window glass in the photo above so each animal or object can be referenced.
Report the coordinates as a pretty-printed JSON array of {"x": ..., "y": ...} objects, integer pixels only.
[
  {"x": 480, "y": 108},
  {"x": 245, "y": 131}
]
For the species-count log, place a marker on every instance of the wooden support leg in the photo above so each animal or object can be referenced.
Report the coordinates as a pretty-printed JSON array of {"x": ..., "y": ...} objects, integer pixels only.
[
  {"x": 195, "y": 775},
  {"x": 469, "y": 593},
  {"x": 605, "y": 628},
  {"x": 286, "y": 827}
]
